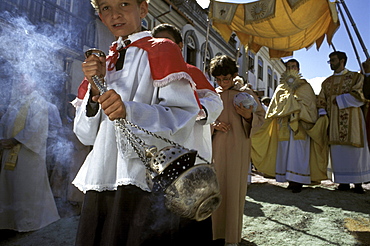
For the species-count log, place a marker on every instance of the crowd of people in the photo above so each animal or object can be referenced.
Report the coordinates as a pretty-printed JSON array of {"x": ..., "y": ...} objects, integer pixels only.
[{"x": 295, "y": 137}]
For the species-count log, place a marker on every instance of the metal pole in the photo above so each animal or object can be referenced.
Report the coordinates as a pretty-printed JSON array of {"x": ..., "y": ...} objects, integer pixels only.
[
  {"x": 333, "y": 46},
  {"x": 350, "y": 37},
  {"x": 355, "y": 28},
  {"x": 206, "y": 47}
]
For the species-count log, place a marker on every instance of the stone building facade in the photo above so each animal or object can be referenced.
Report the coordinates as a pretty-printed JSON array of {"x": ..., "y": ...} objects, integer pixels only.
[{"x": 85, "y": 31}]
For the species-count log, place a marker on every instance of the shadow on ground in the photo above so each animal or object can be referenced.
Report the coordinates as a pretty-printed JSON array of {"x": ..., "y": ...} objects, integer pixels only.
[{"x": 309, "y": 200}]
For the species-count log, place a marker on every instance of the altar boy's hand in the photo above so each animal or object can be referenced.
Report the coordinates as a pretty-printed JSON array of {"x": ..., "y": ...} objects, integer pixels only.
[
  {"x": 112, "y": 105},
  {"x": 94, "y": 65}
]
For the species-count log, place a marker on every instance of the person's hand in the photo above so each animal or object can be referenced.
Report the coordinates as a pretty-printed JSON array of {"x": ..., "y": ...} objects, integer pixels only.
[
  {"x": 246, "y": 113},
  {"x": 221, "y": 126},
  {"x": 112, "y": 104},
  {"x": 366, "y": 65},
  {"x": 94, "y": 65},
  {"x": 8, "y": 143}
]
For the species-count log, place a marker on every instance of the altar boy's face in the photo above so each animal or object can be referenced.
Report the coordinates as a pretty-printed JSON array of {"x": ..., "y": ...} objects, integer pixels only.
[{"x": 122, "y": 17}]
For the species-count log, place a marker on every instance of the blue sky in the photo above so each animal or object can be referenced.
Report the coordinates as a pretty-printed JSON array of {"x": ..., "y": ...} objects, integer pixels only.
[{"x": 313, "y": 62}]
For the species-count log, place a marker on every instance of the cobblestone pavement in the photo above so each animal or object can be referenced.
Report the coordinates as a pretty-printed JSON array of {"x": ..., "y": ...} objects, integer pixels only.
[{"x": 273, "y": 216}]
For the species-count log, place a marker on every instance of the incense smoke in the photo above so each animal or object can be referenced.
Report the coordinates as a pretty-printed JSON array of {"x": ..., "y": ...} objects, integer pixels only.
[{"x": 34, "y": 53}]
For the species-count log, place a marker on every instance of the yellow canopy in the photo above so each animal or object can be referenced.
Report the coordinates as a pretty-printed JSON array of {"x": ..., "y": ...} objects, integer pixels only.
[{"x": 281, "y": 25}]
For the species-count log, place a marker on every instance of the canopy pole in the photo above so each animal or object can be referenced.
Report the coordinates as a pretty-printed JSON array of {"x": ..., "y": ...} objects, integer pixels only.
[
  {"x": 206, "y": 46},
  {"x": 350, "y": 37},
  {"x": 355, "y": 28},
  {"x": 332, "y": 45}
]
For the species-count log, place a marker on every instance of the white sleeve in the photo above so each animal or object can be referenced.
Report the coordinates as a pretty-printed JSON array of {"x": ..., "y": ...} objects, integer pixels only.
[
  {"x": 172, "y": 117},
  {"x": 86, "y": 128},
  {"x": 212, "y": 103},
  {"x": 347, "y": 100},
  {"x": 322, "y": 111}
]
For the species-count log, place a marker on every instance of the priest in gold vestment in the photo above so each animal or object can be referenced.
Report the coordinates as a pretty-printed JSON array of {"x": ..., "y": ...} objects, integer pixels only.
[
  {"x": 289, "y": 145},
  {"x": 341, "y": 98}
]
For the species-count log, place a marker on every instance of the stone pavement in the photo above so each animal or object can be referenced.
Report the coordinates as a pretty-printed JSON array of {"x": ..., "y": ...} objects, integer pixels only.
[{"x": 266, "y": 219}]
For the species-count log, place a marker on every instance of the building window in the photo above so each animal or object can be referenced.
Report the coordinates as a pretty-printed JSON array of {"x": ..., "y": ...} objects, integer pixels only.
[
  {"x": 206, "y": 56},
  {"x": 145, "y": 24},
  {"x": 269, "y": 81},
  {"x": 232, "y": 40},
  {"x": 269, "y": 77},
  {"x": 250, "y": 61},
  {"x": 66, "y": 4},
  {"x": 191, "y": 51},
  {"x": 275, "y": 81},
  {"x": 23, "y": 4},
  {"x": 260, "y": 68}
]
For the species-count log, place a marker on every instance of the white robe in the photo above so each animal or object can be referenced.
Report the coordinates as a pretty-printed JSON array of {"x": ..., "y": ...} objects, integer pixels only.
[
  {"x": 169, "y": 111},
  {"x": 293, "y": 160},
  {"x": 200, "y": 138},
  {"x": 26, "y": 200},
  {"x": 350, "y": 164}
]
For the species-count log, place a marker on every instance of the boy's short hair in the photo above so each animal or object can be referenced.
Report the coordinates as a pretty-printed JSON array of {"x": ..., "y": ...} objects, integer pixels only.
[
  {"x": 95, "y": 4},
  {"x": 172, "y": 30},
  {"x": 223, "y": 65}
]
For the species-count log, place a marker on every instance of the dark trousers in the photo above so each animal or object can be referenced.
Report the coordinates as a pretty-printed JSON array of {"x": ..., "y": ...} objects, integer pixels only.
[
  {"x": 113, "y": 217},
  {"x": 130, "y": 216}
]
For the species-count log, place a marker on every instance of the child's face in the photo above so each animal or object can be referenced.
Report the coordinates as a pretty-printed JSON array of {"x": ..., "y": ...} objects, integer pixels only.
[
  {"x": 122, "y": 17},
  {"x": 225, "y": 81}
]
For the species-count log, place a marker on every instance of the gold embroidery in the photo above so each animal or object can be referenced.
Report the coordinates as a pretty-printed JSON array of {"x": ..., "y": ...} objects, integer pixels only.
[{"x": 345, "y": 124}]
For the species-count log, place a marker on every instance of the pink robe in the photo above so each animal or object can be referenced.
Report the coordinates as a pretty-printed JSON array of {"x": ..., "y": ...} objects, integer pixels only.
[{"x": 231, "y": 155}]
